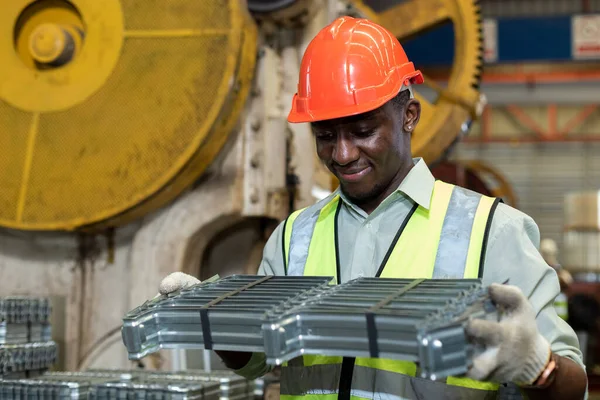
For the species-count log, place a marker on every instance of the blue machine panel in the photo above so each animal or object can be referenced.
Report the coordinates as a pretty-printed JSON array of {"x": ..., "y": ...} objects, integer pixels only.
[{"x": 519, "y": 40}]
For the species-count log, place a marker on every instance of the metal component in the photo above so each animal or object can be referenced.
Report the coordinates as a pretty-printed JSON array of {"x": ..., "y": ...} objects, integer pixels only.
[
  {"x": 51, "y": 44},
  {"x": 121, "y": 384},
  {"x": 256, "y": 124},
  {"x": 25, "y": 336},
  {"x": 285, "y": 317},
  {"x": 265, "y": 141},
  {"x": 169, "y": 322},
  {"x": 22, "y": 309},
  {"x": 255, "y": 161},
  {"x": 182, "y": 69},
  {"x": 254, "y": 197},
  {"x": 267, "y": 6},
  {"x": 29, "y": 356},
  {"x": 24, "y": 320},
  {"x": 271, "y": 14}
]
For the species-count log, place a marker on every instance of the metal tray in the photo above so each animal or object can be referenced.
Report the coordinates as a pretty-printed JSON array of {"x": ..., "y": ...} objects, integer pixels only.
[
  {"x": 28, "y": 356},
  {"x": 222, "y": 315},
  {"x": 126, "y": 384},
  {"x": 416, "y": 320}
]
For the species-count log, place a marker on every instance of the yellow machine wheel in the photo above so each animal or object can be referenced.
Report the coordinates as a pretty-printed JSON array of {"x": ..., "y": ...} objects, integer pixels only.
[
  {"x": 498, "y": 183},
  {"x": 110, "y": 109}
]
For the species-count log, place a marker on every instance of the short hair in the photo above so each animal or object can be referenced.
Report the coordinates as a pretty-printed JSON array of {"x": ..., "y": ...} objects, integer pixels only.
[{"x": 399, "y": 101}]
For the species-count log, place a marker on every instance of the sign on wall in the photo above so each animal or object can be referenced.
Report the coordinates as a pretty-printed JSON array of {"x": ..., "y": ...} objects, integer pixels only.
[
  {"x": 490, "y": 40},
  {"x": 586, "y": 36}
]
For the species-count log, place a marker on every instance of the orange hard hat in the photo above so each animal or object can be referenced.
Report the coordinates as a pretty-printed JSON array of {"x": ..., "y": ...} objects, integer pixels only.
[{"x": 352, "y": 66}]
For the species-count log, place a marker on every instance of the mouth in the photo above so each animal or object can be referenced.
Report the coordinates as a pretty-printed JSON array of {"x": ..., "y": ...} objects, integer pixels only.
[{"x": 353, "y": 175}]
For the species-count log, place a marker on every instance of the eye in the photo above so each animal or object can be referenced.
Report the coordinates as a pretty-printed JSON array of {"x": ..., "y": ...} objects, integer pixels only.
[
  {"x": 323, "y": 135},
  {"x": 364, "y": 132}
]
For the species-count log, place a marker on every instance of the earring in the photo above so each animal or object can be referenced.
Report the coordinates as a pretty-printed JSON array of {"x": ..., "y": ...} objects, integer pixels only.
[{"x": 409, "y": 127}]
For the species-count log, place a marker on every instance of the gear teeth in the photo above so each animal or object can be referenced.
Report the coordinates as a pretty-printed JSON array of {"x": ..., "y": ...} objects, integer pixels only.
[{"x": 467, "y": 16}]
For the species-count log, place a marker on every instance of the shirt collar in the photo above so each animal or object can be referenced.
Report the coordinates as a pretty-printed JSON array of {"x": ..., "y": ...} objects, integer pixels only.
[{"x": 418, "y": 185}]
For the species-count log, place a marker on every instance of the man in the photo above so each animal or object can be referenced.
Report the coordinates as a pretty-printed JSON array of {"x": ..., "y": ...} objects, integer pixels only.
[{"x": 391, "y": 218}]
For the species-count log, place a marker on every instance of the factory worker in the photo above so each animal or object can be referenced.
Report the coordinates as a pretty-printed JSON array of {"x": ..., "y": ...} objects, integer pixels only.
[{"x": 391, "y": 218}]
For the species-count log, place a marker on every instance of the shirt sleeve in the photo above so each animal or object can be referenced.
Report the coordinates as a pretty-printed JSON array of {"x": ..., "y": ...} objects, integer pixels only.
[
  {"x": 271, "y": 264},
  {"x": 272, "y": 260},
  {"x": 512, "y": 253}
]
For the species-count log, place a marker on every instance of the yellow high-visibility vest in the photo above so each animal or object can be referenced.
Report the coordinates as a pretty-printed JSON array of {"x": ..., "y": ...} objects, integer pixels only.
[{"x": 446, "y": 241}]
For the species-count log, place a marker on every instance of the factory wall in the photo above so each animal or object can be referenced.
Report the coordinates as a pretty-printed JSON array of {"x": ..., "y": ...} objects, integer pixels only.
[
  {"x": 545, "y": 139},
  {"x": 541, "y": 174},
  {"x": 93, "y": 288}
]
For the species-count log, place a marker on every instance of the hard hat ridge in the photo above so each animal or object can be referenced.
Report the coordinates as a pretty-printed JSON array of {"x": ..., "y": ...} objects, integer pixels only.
[{"x": 352, "y": 66}]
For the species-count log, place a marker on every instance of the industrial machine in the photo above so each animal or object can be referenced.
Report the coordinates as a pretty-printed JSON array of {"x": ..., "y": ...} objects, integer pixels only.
[
  {"x": 138, "y": 138},
  {"x": 478, "y": 176}
]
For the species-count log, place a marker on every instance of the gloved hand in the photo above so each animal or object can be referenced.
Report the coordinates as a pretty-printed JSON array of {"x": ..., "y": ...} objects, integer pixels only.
[
  {"x": 515, "y": 350},
  {"x": 176, "y": 281}
]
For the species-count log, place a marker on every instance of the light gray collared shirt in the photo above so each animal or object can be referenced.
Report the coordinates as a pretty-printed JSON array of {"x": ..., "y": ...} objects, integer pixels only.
[{"x": 512, "y": 253}]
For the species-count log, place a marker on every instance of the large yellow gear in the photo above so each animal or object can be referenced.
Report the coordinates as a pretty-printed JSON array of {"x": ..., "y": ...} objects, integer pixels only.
[
  {"x": 443, "y": 121},
  {"x": 109, "y": 109},
  {"x": 498, "y": 183}
]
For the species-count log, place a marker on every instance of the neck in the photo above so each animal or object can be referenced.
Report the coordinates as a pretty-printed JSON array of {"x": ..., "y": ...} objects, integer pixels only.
[{"x": 371, "y": 204}]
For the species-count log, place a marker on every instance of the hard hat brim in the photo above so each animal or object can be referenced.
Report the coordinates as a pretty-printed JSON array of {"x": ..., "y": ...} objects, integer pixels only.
[{"x": 295, "y": 116}]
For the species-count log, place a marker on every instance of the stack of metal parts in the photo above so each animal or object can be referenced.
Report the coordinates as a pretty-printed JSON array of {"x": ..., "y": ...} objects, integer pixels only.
[
  {"x": 413, "y": 320},
  {"x": 237, "y": 304},
  {"x": 231, "y": 386},
  {"x": 130, "y": 384},
  {"x": 26, "y": 348},
  {"x": 284, "y": 317}
]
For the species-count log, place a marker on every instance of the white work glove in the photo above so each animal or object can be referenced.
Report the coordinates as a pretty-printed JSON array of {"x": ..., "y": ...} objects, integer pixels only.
[
  {"x": 515, "y": 350},
  {"x": 176, "y": 281}
]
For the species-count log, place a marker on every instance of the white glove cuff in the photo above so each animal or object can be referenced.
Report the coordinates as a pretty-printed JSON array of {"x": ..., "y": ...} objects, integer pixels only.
[{"x": 540, "y": 355}]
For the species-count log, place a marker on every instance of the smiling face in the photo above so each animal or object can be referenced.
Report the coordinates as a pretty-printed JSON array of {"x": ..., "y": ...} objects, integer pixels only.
[{"x": 369, "y": 153}]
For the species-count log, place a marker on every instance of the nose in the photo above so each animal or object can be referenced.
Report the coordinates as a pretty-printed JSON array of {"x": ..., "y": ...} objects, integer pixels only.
[{"x": 345, "y": 151}]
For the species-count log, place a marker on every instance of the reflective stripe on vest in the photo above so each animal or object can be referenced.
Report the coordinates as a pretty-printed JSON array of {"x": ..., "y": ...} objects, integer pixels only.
[
  {"x": 445, "y": 241},
  {"x": 448, "y": 236},
  {"x": 561, "y": 305}
]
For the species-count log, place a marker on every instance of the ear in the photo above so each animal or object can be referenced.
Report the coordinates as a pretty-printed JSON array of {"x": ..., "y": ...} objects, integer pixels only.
[{"x": 412, "y": 114}]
